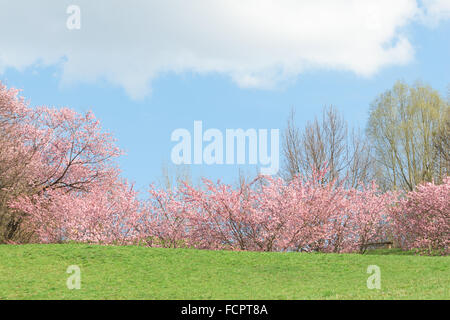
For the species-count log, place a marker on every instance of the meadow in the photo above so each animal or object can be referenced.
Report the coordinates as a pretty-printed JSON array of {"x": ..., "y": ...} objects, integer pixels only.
[{"x": 134, "y": 272}]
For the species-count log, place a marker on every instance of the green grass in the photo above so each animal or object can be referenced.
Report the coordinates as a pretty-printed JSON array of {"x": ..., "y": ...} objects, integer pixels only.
[{"x": 108, "y": 272}]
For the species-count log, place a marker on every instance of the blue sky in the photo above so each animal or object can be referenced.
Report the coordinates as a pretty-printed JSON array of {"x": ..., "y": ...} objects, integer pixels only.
[{"x": 224, "y": 90}]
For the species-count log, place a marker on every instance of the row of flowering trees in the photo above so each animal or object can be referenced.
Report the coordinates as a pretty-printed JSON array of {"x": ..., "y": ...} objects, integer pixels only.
[
  {"x": 59, "y": 182},
  {"x": 301, "y": 215},
  {"x": 270, "y": 215}
]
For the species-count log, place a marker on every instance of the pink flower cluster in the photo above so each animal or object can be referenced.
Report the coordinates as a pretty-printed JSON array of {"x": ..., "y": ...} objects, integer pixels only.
[
  {"x": 421, "y": 220},
  {"x": 269, "y": 215}
]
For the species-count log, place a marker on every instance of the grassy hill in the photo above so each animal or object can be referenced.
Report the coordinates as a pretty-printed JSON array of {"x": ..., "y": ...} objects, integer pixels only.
[{"x": 39, "y": 272}]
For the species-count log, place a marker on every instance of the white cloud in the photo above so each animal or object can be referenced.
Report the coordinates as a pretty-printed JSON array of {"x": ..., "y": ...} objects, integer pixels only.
[
  {"x": 257, "y": 43},
  {"x": 435, "y": 11}
]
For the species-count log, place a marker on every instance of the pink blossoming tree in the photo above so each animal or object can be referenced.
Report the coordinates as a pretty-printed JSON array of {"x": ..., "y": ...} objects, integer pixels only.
[{"x": 421, "y": 220}]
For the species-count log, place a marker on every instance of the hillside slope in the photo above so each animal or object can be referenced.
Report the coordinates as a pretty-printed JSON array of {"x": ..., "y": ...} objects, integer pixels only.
[{"x": 108, "y": 272}]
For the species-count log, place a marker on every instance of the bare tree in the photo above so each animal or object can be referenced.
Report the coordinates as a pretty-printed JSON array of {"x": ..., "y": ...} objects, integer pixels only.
[
  {"x": 172, "y": 176},
  {"x": 326, "y": 142},
  {"x": 442, "y": 143}
]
